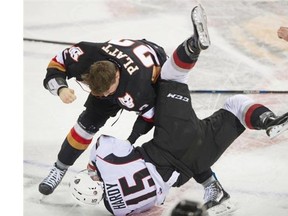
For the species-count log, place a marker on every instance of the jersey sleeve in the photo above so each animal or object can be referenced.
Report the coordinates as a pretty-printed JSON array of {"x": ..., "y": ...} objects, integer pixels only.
[
  {"x": 56, "y": 74},
  {"x": 140, "y": 127},
  {"x": 71, "y": 62}
]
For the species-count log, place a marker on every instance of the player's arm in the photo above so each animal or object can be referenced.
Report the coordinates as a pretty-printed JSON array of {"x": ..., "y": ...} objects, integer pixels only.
[
  {"x": 145, "y": 106},
  {"x": 92, "y": 159},
  {"x": 58, "y": 71},
  {"x": 143, "y": 124},
  {"x": 91, "y": 166},
  {"x": 55, "y": 82},
  {"x": 55, "y": 78}
]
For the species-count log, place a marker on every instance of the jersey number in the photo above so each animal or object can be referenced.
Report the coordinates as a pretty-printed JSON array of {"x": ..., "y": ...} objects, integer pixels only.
[
  {"x": 143, "y": 53},
  {"x": 137, "y": 187}
]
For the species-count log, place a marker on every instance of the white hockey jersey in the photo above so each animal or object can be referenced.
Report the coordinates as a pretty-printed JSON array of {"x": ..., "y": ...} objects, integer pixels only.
[{"x": 131, "y": 184}]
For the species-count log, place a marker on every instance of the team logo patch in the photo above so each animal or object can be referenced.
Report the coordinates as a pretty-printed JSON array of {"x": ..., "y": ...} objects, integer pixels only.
[
  {"x": 127, "y": 101},
  {"x": 75, "y": 53}
]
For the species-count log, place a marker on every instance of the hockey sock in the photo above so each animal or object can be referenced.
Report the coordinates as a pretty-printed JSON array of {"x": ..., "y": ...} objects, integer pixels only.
[
  {"x": 209, "y": 181},
  {"x": 256, "y": 116}
]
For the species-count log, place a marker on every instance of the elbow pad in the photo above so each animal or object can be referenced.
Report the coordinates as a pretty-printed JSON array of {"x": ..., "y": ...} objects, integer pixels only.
[{"x": 54, "y": 85}]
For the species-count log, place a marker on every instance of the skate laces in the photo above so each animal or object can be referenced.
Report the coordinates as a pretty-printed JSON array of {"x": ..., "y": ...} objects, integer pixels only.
[
  {"x": 54, "y": 178},
  {"x": 213, "y": 192}
]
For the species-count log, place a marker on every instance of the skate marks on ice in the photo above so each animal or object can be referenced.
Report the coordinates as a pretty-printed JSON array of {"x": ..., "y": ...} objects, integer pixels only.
[{"x": 227, "y": 208}]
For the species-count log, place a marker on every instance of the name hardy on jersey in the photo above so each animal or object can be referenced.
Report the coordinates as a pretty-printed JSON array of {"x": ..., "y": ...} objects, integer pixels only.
[
  {"x": 113, "y": 51},
  {"x": 115, "y": 196}
]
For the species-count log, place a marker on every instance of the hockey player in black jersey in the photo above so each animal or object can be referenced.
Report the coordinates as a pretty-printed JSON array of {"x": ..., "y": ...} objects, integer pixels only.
[{"x": 121, "y": 74}]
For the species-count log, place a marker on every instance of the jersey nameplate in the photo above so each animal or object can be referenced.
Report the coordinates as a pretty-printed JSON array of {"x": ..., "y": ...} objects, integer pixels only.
[{"x": 129, "y": 65}]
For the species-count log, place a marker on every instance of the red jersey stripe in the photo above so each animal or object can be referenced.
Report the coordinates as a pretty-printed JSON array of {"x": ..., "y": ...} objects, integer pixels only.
[{"x": 249, "y": 114}]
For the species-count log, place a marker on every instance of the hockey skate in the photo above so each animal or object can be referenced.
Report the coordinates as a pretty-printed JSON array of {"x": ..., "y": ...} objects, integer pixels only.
[
  {"x": 217, "y": 200},
  {"x": 48, "y": 185},
  {"x": 277, "y": 125},
  {"x": 199, "y": 20}
]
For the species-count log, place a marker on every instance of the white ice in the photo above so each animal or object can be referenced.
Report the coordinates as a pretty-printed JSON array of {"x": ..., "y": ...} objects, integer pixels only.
[{"x": 245, "y": 54}]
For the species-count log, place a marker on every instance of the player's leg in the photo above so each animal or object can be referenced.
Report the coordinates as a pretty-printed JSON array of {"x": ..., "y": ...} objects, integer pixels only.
[
  {"x": 78, "y": 139},
  {"x": 75, "y": 143},
  {"x": 186, "y": 55},
  {"x": 220, "y": 129},
  {"x": 256, "y": 116}
]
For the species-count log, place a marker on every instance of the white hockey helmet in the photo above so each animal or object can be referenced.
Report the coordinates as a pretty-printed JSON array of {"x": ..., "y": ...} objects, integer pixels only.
[{"x": 86, "y": 190}]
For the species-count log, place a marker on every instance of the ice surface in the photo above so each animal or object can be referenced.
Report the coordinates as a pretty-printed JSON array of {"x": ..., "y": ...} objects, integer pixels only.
[{"x": 245, "y": 54}]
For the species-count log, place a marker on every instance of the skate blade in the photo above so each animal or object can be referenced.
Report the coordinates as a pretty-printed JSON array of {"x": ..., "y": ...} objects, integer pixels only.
[
  {"x": 226, "y": 208},
  {"x": 277, "y": 130},
  {"x": 199, "y": 19}
]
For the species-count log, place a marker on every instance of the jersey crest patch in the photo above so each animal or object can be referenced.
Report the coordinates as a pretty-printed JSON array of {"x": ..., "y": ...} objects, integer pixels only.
[
  {"x": 127, "y": 101},
  {"x": 75, "y": 53}
]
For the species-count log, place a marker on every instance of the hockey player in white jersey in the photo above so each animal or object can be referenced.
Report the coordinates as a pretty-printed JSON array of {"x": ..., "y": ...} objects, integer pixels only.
[{"x": 138, "y": 178}]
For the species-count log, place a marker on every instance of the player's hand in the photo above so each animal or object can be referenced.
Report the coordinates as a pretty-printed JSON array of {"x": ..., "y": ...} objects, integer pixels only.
[
  {"x": 93, "y": 174},
  {"x": 67, "y": 95},
  {"x": 283, "y": 33}
]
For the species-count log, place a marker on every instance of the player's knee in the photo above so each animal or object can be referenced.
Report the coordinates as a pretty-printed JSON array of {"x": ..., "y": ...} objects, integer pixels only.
[
  {"x": 89, "y": 125},
  {"x": 237, "y": 104}
]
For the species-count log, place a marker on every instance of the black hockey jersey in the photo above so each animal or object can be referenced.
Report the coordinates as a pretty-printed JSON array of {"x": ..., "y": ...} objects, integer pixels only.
[{"x": 139, "y": 62}]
